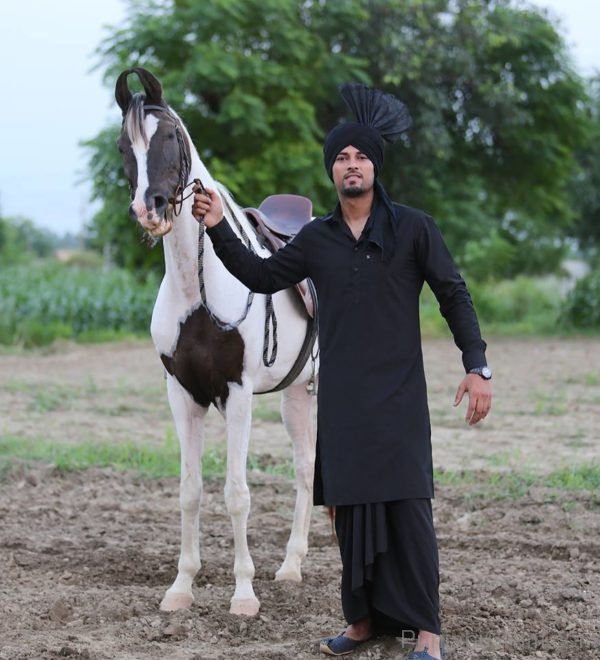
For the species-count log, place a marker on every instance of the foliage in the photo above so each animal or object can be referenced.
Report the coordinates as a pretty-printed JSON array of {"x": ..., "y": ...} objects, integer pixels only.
[
  {"x": 581, "y": 309},
  {"x": 497, "y": 109},
  {"x": 21, "y": 241},
  {"x": 501, "y": 255},
  {"x": 45, "y": 301},
  {"x": 521, "y": 306},
  {"x": 585, "y": 187}
]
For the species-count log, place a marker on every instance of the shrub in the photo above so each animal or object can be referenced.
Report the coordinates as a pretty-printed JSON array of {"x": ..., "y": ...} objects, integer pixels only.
[
  {"x": 581, "y": 308},
  {"x": 46, "y": 301}
]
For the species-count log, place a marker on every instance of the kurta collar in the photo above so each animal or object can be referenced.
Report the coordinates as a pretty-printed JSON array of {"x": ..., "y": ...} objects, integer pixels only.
[{"x": 381, "y": 225}]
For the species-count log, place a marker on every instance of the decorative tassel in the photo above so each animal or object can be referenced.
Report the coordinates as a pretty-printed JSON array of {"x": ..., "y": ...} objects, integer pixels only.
[{"x": 383, "y": 112}]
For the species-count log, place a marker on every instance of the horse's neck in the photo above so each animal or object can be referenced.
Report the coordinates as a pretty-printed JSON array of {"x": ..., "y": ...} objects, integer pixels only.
[{"x": 181, "y": 246}]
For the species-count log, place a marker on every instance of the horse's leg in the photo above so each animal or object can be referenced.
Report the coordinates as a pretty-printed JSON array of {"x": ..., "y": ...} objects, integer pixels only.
[
  {"x": 238, "y": 416},
  {"x": 189, "y": 423},
  {"x": 296, "y": 411}
]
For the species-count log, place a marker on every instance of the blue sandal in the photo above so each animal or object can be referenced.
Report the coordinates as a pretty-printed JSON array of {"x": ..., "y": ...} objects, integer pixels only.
[
  {"x": 340, "y": 645},
  {"x": 423, "y": 655}
]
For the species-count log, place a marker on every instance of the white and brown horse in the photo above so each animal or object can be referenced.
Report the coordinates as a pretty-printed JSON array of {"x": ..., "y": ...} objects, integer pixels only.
[{"x": 210, "y": 355}]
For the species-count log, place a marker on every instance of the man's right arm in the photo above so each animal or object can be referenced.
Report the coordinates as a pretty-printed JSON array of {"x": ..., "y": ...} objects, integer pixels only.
[{"x": 280, "y": 271}]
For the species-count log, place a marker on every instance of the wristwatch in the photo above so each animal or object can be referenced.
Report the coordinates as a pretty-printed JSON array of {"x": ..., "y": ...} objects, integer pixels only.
[{"x": 484, "y": 372}]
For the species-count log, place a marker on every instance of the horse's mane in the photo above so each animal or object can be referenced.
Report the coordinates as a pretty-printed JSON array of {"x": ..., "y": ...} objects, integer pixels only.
[
  {"x": 134, "y": 119},
  {"x": 230, "y": 204}
]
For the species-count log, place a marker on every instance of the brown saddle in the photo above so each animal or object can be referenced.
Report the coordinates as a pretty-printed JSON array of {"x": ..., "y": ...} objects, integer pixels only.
[{"x": 276, "y": 221}]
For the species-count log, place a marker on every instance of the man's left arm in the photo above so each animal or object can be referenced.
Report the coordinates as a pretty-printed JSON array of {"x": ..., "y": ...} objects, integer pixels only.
[{"x": 456, "y": 306}]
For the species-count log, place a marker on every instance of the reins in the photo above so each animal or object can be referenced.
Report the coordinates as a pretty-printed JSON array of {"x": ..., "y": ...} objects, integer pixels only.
[{"x": 176, "y": 203}]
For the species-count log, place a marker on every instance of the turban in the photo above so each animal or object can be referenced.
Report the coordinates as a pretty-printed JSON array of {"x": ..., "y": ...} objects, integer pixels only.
[{"x": 380, "y": 117}]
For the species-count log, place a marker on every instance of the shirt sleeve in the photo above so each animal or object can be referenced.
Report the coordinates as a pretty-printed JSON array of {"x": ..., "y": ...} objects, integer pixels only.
[
  {"x": 282, "y": 270},
  {"x": 447, "y": 284}
]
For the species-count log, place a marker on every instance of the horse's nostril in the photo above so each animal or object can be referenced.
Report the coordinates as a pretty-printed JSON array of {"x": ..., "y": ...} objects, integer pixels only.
[{"x": 160, "y": 203}]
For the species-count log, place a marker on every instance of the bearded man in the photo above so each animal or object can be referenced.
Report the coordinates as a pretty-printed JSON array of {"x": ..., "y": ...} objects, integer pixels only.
[{"x": 368, "y": 260}]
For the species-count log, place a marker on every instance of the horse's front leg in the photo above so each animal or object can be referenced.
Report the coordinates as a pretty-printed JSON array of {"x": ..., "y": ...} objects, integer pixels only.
[
  {"x": 189, "y": 423},
  {"x": 296, "y": 412},
  {"x": 238, "y": 417}
]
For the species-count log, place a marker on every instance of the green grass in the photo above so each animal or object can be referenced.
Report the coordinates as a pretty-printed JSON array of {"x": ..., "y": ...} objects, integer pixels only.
[
  {"x": 266, "y": 413},
  {"x": 144, "y": 460},
  {"x": 163, "y": 461},
  {"x": 515, "y": 484},
  {"x": 553, "y": 404}
]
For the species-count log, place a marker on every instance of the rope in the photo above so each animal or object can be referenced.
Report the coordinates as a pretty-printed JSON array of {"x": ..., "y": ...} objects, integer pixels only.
[{"x": 270, "y": 320}]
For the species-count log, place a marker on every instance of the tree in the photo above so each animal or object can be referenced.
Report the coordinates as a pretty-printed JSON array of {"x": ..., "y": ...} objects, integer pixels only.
[
  {"x": 21, "y": 240},
  {"x": 497, "y": 107},
  {"x": 586, "y": 184}
]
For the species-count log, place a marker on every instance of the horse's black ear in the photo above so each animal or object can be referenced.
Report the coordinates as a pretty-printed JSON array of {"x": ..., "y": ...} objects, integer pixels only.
[
  {"x": 122, "y": 93},
  {"x": 152, "y": 86}
]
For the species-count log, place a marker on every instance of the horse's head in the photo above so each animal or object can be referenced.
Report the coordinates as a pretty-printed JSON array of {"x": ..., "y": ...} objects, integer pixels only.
[{"x": 156, "y": 153}]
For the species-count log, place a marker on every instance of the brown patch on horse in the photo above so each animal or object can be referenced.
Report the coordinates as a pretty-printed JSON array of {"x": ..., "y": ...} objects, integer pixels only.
[{"x": 206, "y": 359}]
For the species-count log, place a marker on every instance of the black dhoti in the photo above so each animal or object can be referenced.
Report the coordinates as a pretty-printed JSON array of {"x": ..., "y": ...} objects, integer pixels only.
[{"x": 390, "y": 565}]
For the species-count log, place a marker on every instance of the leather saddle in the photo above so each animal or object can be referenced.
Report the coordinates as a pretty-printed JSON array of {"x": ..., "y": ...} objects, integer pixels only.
[{"x": 276, "y": 221}]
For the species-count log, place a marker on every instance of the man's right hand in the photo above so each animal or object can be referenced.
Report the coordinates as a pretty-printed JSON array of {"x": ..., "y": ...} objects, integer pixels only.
[{"x": 208, "y": 205}]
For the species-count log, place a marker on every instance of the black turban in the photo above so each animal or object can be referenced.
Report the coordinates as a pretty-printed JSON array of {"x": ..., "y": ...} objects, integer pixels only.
[
  {"x": 379, "y": 117},
  {"x": 361, "y": 137}
]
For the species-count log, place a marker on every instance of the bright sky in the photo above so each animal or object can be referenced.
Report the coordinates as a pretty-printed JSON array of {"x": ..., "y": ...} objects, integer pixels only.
[{"x": 51, "y": 100}]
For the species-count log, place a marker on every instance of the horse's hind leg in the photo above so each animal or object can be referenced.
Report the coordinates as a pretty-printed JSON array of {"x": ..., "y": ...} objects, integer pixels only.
[
  {"x": 189, "y": 423},
  {"x": 296, "y": 411},
  {"x": 238, "y": 416}
]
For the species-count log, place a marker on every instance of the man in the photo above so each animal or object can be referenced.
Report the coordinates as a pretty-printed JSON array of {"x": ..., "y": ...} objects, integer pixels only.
[{"x": 368, "y": 260}]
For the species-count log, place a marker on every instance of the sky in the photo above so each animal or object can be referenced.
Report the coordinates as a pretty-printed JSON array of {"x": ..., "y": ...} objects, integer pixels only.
[{"x": 52, "y": 99}]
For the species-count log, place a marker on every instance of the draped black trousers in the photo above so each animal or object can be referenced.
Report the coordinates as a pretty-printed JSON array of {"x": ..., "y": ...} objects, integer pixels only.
[{"x": 390, "y": 565}]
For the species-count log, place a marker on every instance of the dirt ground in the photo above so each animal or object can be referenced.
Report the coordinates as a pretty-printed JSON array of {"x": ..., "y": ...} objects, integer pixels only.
[{"x": 85, "y": 557}]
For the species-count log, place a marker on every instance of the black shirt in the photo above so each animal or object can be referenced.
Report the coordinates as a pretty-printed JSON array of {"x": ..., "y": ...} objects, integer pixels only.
[{"x": 373, "y": 421}]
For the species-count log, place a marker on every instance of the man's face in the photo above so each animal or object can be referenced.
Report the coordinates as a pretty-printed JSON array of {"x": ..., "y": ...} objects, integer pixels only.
[{"x": 353, "y": 173}]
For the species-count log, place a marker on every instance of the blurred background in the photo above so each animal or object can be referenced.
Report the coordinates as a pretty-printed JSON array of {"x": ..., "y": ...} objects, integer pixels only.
[{"x": 504, "y": 151}]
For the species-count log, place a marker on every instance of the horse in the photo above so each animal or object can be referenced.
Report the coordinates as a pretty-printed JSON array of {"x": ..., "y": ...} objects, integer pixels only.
[{"x": 209, "y": 333}]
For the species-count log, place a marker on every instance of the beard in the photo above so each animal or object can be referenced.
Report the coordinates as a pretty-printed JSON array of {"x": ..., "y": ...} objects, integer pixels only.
[{"x": 355, "y": 190}]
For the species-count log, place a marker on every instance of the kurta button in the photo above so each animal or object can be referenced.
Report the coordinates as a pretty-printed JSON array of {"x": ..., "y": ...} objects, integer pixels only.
[
  {"x": 355, "y": 248},
  {"x": 368, "y": 256},
  {"x": 355, "y": 269}
]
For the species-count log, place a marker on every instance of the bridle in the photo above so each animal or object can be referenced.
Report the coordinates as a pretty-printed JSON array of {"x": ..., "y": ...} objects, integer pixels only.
[
  {"x": 185, "y": 165},
  {"x": 176, "y": 203}
]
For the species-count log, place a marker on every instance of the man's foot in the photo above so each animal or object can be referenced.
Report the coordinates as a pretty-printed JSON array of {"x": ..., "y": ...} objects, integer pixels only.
[
  {"x": 340, "y": 645},
  {"x": 428, "y": 647},
  {"x": 348, "y": 641}
]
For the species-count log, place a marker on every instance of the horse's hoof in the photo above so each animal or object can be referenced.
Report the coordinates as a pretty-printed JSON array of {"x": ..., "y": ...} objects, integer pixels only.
[
  {"x": 174, "y": 602},
  {"x": 244, "y": 606},
  {"x": 288, "y": 575}
]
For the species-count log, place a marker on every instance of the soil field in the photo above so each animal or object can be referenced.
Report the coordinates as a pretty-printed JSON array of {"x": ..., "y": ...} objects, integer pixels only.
[{"x": 85, "y": 557}]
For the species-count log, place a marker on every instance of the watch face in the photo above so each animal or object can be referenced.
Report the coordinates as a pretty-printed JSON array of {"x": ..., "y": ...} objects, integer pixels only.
[{"x": 486, "y": 372}]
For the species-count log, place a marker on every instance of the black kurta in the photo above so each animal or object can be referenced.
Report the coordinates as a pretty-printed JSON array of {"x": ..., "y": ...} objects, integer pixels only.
[{"x": 373, "y": 440}]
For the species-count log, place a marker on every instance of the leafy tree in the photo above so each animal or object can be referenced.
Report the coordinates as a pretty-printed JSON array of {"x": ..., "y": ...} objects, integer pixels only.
[
  {"x": 586, "y": 184},
  {"x": 497, "y": 109},
  {"x": 21, "y": 240}
]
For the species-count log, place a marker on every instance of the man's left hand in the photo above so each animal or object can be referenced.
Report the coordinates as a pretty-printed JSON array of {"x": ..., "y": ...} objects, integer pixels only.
[{"x": 480, "y": 397}]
